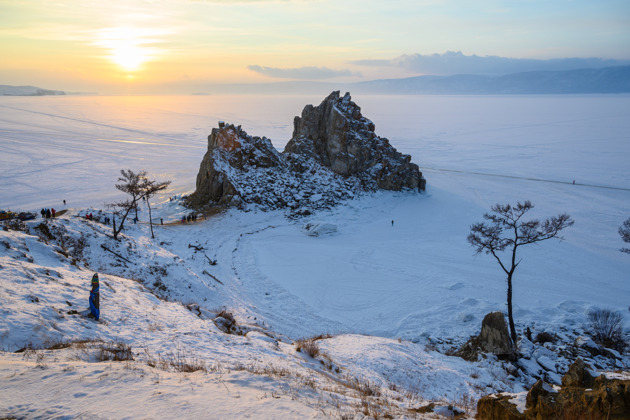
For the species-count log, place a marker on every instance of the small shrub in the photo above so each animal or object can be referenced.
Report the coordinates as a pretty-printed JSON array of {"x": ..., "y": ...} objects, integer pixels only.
[
  {"x": 308, "y": 346},
  {"x": 16, "y": 225},
  {"x": 226, "y": 322},
  {"x": 116, "y": 351},
  {"x": 227, "y": 316},
  {"x": 44, "y": 232},
  {"x": 545, "y": 337},
  {"x": 607, "y": 328}
]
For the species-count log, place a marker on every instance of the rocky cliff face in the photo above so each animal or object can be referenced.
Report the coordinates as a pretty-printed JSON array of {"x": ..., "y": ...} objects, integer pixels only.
[
  {"x": 333, "y": 154},
  {"x": 337, "y": 136}
]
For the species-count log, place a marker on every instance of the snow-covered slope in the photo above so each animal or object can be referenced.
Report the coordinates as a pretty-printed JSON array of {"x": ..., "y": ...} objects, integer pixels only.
[{"x": 62, "y": 356}]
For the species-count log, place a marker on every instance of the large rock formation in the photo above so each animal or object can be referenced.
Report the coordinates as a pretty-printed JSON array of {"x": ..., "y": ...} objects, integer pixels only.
[
  {"x": 333, "y": 154},
  {"x": 337, "y": 136}
]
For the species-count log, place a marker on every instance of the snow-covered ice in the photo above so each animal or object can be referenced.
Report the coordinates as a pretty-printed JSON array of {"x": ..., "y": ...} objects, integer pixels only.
[{"x": 388, "y": 294}]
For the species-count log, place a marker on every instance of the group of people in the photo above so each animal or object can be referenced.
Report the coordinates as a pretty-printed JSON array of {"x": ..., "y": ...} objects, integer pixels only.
[
  {"x": 190, "y": 218},
  {"x": 47, "y": 213}
]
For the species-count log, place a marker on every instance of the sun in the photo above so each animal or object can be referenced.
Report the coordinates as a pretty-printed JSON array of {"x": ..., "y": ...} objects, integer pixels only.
[
  {"x": 128, "y": 47},
  {"x": 128, "y": 57}
]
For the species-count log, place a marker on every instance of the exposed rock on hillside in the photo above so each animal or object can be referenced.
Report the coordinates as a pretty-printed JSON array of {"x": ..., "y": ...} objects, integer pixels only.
[
  {"x": 493, "y": 338},
  {"x": 333, "y": 154},
  {"x": 581, "y": 396}
]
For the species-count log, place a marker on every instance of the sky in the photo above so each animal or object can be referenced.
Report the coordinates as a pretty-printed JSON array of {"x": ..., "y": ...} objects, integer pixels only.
[{"x": 167, "y": 46}]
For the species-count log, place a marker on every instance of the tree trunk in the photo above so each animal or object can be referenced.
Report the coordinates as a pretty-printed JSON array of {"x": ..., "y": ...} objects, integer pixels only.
[
  {"x": 114, "y": 226},
  {"x": 150, "y": 219},
  {"x": 509, "y": 304}
]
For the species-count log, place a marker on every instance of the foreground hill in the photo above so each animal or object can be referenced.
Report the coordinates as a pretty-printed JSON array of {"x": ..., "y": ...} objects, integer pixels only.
[{"x": 185, "y": 325}]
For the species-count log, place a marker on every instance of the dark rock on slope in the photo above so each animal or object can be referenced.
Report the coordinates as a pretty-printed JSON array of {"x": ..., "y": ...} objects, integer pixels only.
[{"x": 582, "y": 396}]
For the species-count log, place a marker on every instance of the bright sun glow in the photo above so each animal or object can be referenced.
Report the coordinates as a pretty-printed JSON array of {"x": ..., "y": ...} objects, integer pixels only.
[
  {"x": 128, "y": 47},
  {"x": 128, "y": 57}
]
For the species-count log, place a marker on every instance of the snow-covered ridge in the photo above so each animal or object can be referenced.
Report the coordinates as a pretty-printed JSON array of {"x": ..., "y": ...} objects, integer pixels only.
[
  {"x": 333, "y": 155},
  {"x": 6, "y": 90}
]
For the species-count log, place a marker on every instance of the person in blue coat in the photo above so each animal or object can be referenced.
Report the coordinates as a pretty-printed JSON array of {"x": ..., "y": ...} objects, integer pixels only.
[{"x": 95, "y": 298}]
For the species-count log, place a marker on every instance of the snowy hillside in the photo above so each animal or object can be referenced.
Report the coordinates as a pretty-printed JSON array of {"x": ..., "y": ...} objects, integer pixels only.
[
  {"x": 379, "y": 298},
  {"x": 7, "y": 90}
]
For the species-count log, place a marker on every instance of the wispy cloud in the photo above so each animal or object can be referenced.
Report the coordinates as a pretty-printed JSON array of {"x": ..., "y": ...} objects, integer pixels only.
[
  {"x": 301, "y": 73},
  {"x": 458, "y": 63}
]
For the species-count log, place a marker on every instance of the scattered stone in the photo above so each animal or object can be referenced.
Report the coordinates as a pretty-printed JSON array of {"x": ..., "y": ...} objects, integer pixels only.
[
  {"x": 546, "y": 363},
  {"x": 589, "y": 345}
]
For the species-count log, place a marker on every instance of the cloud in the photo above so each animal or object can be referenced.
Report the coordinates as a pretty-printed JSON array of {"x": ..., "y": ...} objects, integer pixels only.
[
  {"x": 301, "y": 73},
  {"x": 457, "y": 63}
]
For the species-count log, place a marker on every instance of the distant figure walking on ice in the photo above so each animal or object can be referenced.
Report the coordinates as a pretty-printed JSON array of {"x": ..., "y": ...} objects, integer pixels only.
[
  {"x": 392, "y": 223},
  {"x": 95, "y": 311}
]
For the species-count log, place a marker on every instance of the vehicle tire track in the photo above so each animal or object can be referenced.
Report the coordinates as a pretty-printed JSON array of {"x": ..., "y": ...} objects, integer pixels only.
[{"x": 524, "y": 178}]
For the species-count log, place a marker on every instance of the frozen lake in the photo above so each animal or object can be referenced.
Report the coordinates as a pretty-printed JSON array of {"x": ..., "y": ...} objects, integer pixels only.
[
  {"x": 475, "y": 151},
  {"x": 73, "y": 147}
]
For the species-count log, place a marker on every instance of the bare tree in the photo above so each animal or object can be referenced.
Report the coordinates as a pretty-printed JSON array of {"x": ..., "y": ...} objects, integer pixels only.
[
  {"x": 131, "y": 184},
  {"x": 624, "y": 232},
  {"x": 150, "y": 188},
  {"x": 504, "y": 229}
]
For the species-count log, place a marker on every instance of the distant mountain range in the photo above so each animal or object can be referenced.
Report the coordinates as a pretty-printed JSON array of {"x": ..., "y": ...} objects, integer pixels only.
[
  {"x": 6, "y": 90},
  {"x": 603, "y": 80}
]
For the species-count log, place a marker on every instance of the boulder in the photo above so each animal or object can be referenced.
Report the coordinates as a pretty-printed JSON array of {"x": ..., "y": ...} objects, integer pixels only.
[
  {"x": 578, "y": 376},
  {"x": 493, "y": 338},
  {"x": 498, "y": 406},
  {"x": 320, "y": 229}
]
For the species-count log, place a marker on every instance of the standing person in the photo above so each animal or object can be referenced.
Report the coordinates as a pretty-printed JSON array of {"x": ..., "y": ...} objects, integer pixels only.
[
  {"x": 64, "y": 203},
  {"x": 95, "y": 298},
  {"x": 52, "y": 211},
  {"x": 43, "y": 213},
  {"x": 47, "y": 213}
]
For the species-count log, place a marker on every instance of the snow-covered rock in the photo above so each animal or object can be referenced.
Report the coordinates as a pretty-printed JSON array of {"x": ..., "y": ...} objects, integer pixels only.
[
  {"x": 333, "y": 154},
  {"x": 319, "y": 228}
]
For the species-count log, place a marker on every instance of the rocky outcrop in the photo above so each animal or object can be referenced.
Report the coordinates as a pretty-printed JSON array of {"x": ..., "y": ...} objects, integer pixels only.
[
  {"x": 337, "y": 136},
  {"x": 581, "y": 396},
  {"x": 333, "y": 155},
  {"x": 493, "y": 338},
  {"x": 231, "y": 152}
]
